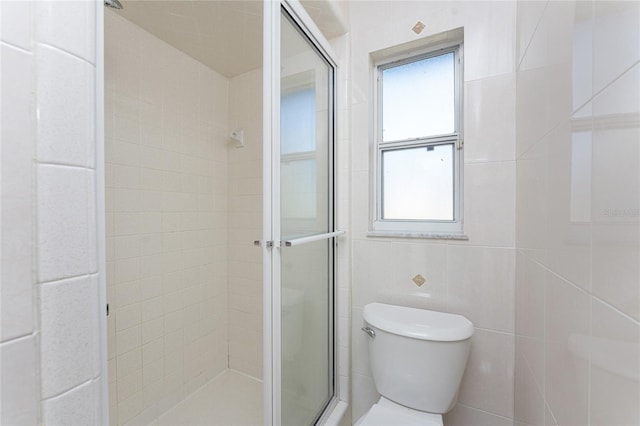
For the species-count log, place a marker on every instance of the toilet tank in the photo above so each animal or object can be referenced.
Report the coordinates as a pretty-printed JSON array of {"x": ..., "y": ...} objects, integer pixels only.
[{"x": 417, "y": 356}]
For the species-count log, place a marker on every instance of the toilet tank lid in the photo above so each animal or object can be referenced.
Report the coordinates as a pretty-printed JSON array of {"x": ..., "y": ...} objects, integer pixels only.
[{"x": 418, "y": 323}]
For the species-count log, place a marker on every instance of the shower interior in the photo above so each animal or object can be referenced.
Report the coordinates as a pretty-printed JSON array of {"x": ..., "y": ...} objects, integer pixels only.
[{"x": 183, "y": 206}]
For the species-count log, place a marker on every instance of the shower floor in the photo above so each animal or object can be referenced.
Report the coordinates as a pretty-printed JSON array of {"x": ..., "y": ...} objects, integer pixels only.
[{"x": 230, "y": 399}]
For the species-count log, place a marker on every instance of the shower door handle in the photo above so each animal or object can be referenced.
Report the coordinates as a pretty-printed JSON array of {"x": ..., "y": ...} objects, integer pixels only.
[{"x": 304, "y": 240}]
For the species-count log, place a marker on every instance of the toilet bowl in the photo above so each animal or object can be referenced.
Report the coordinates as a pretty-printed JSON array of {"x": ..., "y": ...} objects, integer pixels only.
[{"x": 417, "y": 359}]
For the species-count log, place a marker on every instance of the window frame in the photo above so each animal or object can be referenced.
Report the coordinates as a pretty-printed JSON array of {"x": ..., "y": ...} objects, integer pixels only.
[{"x": 413, "y": 227}]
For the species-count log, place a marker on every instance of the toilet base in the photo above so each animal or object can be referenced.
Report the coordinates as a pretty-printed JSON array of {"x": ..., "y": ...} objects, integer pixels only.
[{"x": 386, "y": 413}]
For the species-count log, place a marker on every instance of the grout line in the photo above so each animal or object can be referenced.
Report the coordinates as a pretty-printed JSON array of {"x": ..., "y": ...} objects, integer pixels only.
[
  {"x": 61, "y": 280},
  {"x": 599, "y": 92},
  {"x": 583, "y": 290},
  {"x": 66, "y": 52},
  {"x": 63, "y": 393},
  {"x": 70, "y": 166},
  {"x": 490, "y": 330},
  {"x": 15, "y": 47},
  {"x": 18, "y": 338},
  {"x": 535, "y": 30},
  {"x": 485, "y": 411}
]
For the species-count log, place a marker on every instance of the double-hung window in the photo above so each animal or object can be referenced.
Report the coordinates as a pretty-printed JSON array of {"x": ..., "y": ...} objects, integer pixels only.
[{"x": 418, "y": 145}]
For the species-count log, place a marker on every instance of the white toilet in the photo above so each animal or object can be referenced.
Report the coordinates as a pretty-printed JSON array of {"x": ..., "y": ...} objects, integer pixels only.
[{"x": 417, "y": 359}]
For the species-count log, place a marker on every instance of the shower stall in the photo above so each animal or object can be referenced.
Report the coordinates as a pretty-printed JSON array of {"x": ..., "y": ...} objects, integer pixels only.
[{"x": 219, "y": 210}]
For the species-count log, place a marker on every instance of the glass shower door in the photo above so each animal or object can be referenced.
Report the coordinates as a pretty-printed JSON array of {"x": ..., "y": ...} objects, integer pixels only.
[
  {"x": 306, "y": 85},
  {"x": 298, "y": 235}
]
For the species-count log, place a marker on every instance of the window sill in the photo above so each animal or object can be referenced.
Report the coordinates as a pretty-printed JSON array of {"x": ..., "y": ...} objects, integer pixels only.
[{"x": 422, "y": 235}]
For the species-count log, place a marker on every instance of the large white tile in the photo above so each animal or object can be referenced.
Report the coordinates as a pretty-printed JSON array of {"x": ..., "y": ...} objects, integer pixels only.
[
  {"x": 69, "y": 323},
  {"x": 481, "y": 284},
  {"x": 529, "y": 381},
  {"x": 68, "y": 25},
  {"x": 487, "y": 383},
  {"x": 552, "y": 42},
  {"x": 490, "y": 122},
  {"x": 461, "y": 415},
  {"x": 17, "y": 190},
  {"x": 566, "y": 373},
  {"x": 489, "y": 203},
  {"x": 582, "y": 58},
  {"x": 616, "y": 40},
  {"x": 66, "y": 108},
  {"x": 529, "y": 297},
  {"x": 77, "y": 406},
  {"x": 64, "y": 224},
  {"x": 18, "y": 373},
  {"x": 528, "y": 16},
  {"x": 364, "y": 395},
  {"x": 614, "y": 367},
  {"x": 15, "y": 27},
  {"x": 489, "y": 39},
  {"x": 408, "y": 260},
  {"x": 620, "y": 97}
]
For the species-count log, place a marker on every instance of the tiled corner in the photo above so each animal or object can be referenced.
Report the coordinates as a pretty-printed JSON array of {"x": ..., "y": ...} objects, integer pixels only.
[
  {"x": 66, "y": 101},
  {"x": 68, "y": 25},
  {"x": 68, "y": 326},
  {"x": 77, "y": 406},
  {"x": 64, "y": 224},
  {"x": 17, "y": 188}
]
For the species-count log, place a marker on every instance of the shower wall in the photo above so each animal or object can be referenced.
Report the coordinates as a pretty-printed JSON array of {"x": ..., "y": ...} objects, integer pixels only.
[
  {"x": 245, "y": 225},
  {"x": 578, "y": 221},
  {"x": 166, "y": 177}
]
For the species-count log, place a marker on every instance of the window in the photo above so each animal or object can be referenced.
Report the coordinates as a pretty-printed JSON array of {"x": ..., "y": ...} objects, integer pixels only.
[{"x": 418, "y": 145}]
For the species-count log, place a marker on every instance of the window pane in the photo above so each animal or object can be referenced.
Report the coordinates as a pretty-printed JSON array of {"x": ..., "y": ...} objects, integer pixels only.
[
  {"x": 298, "y": 120},
  {"x": 418, "y": 99},
  {"x": 417, "y": 183}
]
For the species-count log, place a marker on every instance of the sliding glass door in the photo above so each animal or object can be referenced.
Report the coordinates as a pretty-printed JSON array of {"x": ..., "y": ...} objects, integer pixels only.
[{"x": 300, "y": 131}]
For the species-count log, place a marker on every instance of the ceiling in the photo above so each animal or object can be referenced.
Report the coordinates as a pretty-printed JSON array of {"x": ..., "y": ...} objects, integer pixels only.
[{"x": 224, "y": 35}]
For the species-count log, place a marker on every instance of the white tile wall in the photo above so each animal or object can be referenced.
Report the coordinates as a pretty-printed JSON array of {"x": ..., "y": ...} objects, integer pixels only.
[
  {"x": 244, "y": 260},
  {"x": 17, "y": 189},
  {"x": 474, "y": 278},
  {"x": 63, "y": 237},
  {"x": 49, "y": 223},
  {"x": 77, "y": 406},
  {"x": 577, "y": 295},
  {"x": 19, "y": 374},
  {"x": 69, "y": 320},
  {"x": 167, "y": 196}
]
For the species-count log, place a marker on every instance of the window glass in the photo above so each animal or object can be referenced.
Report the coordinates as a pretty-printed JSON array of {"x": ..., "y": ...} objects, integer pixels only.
[
  {"x": 418, "y": 98},
  {"x": 418, "y": 183},
  {"x": 298, "y": 111}
]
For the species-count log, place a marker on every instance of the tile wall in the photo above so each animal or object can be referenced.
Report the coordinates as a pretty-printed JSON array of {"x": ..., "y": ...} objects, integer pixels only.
[
  {"x": 244, "y": 260},
  {"x": 50, "y": 336},
  {"x": 578, "y": 226},
  {"x": 475, "y": 278},
  {"x": 166, "y": 179}
]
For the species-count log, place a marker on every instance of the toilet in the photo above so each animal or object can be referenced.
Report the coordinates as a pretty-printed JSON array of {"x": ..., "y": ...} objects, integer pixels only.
[{"x": 417, "y": 359}]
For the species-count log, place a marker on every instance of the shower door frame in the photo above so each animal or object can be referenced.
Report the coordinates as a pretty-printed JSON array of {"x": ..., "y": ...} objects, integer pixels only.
[{"x": 271, "y": 234}]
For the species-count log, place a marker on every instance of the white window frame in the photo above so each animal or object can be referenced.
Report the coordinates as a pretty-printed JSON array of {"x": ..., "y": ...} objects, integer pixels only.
[{"x": 409, "y": 227}]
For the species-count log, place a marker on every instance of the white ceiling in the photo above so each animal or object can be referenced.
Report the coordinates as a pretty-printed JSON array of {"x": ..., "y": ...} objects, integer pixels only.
[{"x": 224, "y": 35}]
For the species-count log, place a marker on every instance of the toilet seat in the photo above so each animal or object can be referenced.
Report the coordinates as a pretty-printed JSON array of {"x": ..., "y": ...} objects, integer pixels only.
[{"x": 388, "y": 413}]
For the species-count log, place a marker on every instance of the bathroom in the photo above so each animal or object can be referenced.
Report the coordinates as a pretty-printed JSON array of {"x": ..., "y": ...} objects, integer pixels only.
[{"x": 547, "y": 268}]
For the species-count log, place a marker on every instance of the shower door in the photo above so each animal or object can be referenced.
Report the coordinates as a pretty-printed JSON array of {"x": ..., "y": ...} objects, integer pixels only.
[{"x": 299, "y": 259}]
